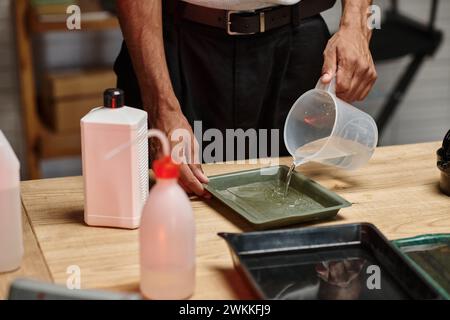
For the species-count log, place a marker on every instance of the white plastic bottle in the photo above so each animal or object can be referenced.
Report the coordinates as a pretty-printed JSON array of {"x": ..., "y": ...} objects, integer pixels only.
[
  {"x": 167, "y": 235},
  {"x": 11, "y": 239},
  {"x": 116, "y": 187}
]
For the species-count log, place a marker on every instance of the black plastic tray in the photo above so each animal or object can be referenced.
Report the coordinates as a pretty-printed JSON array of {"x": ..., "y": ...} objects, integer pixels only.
[{"x": 353, "y": 261}]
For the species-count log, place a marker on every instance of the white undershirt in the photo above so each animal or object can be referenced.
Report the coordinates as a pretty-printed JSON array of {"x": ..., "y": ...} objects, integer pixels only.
[{"x": 241, "y": 4}]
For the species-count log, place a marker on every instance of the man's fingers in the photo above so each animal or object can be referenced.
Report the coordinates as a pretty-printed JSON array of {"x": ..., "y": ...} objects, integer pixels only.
[
  {"x": 358, "y": 84},
  {"x": 373, "y": 76},
  {"x": 327, "y": 77},
  {"x": 198, "y": 173},
  {"x": 366, "y": 92},
  {"x": 364, "y": 86},
  {"x": 344, "y": 79},
  {"x": 367, "y": 79},
  {"x": 329, "y": 64},
  {"x": 195, "y": 154},
  {"x": 190, "y": 181},
  {"x": 185, "y": 188},
  {"x": 359, "y": 80},
  {"x": 191, "y": 174}
]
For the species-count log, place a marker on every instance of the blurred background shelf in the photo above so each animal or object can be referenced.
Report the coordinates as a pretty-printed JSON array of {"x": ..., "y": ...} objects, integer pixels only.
[
  {"x": 53, "y": 145},
  {"x": 100, "y": 23},
  {"x": 51, "y": 15},
  {"x": 53, "y": 101}
]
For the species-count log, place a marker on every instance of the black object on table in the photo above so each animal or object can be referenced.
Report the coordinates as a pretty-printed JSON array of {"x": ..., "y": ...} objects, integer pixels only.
[
  {"x": 443, "y": 164},
  {"x": 446, "y": 146}
]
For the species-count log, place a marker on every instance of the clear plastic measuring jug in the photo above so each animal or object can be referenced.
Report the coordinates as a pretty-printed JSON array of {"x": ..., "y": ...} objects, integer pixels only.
[{"x": 321, "y": 127}]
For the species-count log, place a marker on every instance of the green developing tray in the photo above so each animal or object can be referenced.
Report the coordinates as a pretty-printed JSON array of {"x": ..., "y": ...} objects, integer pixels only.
[
  {"x": 255, "y": 195},
  {"x": 430, "y": 255}
]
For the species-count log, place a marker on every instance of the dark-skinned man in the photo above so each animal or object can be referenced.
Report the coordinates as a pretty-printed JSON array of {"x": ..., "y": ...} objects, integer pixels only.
[{"x": 236, "y": 63}]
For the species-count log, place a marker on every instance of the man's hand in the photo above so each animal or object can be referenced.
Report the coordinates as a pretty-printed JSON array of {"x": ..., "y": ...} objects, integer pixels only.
[
  {"x": 141, "y": 23},
  {"x": 347, "y": 55},
  {"x": 191, "y": 174}
]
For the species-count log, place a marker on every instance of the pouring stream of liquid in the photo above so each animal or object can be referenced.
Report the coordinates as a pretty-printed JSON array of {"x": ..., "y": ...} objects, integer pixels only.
[
  {"x": 289, "y": 176},
  {"x": 288, "y": 179}
]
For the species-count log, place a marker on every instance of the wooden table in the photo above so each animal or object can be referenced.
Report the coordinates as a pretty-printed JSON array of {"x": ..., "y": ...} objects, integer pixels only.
[{"x": 398, "y": 192}]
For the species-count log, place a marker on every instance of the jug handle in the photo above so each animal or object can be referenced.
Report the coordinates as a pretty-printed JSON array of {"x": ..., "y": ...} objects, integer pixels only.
[{"x": 330, "y": 87}]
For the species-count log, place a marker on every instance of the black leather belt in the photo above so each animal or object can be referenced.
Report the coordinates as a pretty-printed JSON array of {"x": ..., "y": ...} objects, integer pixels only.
[{"x": 247, "y": 22}]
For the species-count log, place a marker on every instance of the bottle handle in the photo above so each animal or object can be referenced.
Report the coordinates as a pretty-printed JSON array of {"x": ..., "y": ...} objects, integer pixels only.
[
  {"x": 150, "y": 133},
  {"x": 330, "y": 87}
]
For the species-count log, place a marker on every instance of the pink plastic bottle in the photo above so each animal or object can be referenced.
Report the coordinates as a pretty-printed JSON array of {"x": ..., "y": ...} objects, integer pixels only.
[
  {"x": 167, "y": 237},
  {"x": 11, "y": 239}
]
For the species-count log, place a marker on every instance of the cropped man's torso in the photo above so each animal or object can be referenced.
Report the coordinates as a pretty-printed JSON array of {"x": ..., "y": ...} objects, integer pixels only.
[{"x": 241, "y": 4}]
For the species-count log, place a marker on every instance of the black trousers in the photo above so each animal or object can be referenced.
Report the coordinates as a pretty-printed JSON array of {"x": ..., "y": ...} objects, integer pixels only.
[{"x": 231, "y": 82}]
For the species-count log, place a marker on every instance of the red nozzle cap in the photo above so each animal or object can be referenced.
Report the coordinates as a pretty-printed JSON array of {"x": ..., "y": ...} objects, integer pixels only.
[{"x": 165, "y": 168}]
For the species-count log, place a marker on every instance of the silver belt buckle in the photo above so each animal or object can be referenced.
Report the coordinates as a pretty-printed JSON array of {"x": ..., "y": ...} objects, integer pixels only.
[{"x": 262, "y": 22}]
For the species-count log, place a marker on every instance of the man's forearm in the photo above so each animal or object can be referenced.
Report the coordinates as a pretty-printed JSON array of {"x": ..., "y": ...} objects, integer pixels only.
[
  {"x": 141, "y": 23},
  {"x": 354, "y": 16}
]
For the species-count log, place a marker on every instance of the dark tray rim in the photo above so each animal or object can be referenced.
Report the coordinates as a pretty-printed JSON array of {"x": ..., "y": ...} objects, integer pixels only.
[{"x": 389, "y": 244}]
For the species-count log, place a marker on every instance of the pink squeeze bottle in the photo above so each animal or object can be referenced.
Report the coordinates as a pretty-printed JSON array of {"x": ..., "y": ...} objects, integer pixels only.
[{"x": 167, "y": 237}]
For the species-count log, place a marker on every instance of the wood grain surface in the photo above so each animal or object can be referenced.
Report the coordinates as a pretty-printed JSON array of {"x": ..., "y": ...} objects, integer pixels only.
[{"x": 398, "y": 192}]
